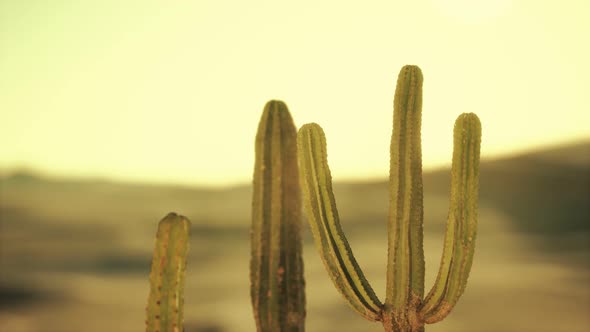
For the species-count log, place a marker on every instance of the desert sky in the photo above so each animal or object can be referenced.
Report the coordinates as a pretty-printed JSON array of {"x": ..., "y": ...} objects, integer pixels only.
[{"x": 172, "y": 91}]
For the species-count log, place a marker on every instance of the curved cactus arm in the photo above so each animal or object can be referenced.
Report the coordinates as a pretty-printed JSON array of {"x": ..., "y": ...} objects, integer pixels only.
[
  {"x": 405, "y": 268},
  {"x": 166, "y": 302},
  {"x": 325, "y": 225},
  {"x": 462, "y": 221},
  {"x": 276, "y": 266}
]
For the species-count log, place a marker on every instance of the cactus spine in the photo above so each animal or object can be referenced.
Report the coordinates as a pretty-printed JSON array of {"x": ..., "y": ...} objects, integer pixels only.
[
  {"x": 276, "y": 266},
  {"x": 166, "y": 302},
  {"x": 405, "y": 308}
]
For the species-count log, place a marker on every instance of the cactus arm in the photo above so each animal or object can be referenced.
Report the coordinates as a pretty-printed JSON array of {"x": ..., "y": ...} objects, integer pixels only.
[
  {"x": 405, "y": 268},
  {"x": 462, "y": 221},
  {"x": 325, "y": 225},
  {"x": 276, "y": 266},
  {"x": 165, "y": 302}
]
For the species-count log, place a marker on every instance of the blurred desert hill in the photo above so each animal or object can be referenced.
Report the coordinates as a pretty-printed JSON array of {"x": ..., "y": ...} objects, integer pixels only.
[
  {"x": 80, "y": 249},
  {"x": 546, "y": 191}
]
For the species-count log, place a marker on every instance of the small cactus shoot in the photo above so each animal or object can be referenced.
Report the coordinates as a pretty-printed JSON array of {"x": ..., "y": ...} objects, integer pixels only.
[
  {"x": 166, "y": 302},
  {"x": 276, "y": 266},
  {"x": 405, "y": 309}
]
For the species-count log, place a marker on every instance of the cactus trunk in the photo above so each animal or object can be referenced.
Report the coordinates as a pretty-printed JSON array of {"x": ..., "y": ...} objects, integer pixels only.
[{"x": 276, "y": 267}]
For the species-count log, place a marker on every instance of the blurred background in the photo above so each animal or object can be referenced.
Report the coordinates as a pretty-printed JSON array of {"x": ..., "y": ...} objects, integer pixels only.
[{"x": 116, "y": 113}]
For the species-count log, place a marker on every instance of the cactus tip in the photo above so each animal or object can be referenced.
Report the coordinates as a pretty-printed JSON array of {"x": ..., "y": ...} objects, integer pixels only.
[
  {"x": 468, "y": 119},
  {"x": 411, "y": 70},
  {"x": 311, "y": 128},
  {"x": 275, "y": 105}
]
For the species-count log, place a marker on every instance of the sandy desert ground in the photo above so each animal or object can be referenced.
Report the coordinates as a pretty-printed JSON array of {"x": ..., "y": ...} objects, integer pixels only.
[{"x": 75, "y": 255}]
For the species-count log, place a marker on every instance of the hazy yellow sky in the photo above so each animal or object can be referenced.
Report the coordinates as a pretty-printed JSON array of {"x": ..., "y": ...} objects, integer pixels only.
[{"x": 172, "y": 91}]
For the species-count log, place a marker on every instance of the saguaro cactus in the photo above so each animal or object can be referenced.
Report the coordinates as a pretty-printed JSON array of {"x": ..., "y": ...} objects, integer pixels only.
[
  {"x": 166, "y": 299},
  {"x": 405, "y": 308},
  {"x": 276, "y": 266}
]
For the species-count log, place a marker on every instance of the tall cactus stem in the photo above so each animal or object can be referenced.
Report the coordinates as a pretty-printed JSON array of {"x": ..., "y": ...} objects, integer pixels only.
[
  {"x": 405, "y": 268},
  {"x": 166, "y": 300},
  {"x": 276, "y": 266}
]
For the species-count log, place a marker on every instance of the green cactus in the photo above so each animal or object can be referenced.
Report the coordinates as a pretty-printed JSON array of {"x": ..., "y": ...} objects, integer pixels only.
[
  {"x": 276, "y": 266},
  {"x": 166, "y": 303},
  {"x": 405, "y": 308}
]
